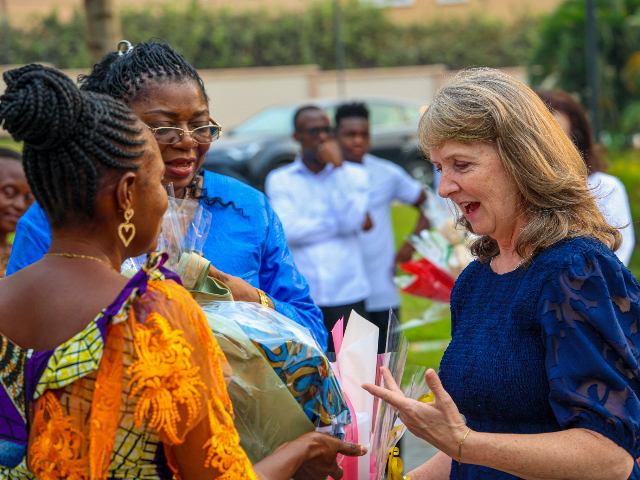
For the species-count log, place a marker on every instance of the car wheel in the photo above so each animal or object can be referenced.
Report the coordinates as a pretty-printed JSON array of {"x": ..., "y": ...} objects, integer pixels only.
[{"x": 422, "y": 171}]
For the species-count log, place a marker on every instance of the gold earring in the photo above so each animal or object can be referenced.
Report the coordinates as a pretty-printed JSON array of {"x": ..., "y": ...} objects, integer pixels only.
[{"x": 127, "y": 229}]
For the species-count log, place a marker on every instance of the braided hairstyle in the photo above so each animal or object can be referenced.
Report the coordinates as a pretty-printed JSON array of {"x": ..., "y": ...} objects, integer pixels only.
[
  {"x": 122, "y": 76},
  {"x": 72, "y": 139}
]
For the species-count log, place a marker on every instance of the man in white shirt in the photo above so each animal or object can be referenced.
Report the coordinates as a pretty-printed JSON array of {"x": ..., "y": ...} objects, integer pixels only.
[
  {"x": 387, "y": 182},
  {"x": 323, "y": 202}
]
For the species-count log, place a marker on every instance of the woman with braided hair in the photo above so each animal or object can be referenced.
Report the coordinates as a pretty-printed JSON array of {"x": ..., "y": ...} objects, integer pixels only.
[
  {"x": 248, "y": 249},
  {"x": 102, "y": 376}
]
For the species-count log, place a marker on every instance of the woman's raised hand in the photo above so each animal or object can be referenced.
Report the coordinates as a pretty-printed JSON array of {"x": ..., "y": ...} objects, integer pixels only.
[{"x": 438, "y": 422}]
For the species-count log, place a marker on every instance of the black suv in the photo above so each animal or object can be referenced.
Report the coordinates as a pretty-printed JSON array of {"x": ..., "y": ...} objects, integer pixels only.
[{"x": 264, "y": 141}]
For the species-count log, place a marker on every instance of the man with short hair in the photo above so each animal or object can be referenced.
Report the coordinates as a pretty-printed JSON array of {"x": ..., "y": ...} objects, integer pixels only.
[
  {"x": 323, "y": 202},
  {"x": 387, "y": 182}
]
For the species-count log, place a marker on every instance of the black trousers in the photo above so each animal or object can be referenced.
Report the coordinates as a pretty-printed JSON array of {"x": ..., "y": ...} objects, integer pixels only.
[
  {"x": 333, "y": 314},
  {"x": 381, "y": 320}
]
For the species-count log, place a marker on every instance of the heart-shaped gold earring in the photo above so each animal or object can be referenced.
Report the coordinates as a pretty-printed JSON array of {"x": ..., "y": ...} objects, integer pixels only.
[{"x": 127, "y": 230}]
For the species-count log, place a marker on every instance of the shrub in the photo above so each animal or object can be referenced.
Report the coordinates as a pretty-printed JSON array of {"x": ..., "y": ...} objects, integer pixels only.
[{"x": 218, "y": 38}]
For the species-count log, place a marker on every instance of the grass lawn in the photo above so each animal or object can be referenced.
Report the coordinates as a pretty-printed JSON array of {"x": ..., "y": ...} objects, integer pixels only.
[{"x": 427, "y": 342}]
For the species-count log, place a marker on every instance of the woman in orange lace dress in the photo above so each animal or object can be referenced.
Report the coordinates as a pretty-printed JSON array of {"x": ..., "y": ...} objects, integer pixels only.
[{"x": 95, "y": 387}]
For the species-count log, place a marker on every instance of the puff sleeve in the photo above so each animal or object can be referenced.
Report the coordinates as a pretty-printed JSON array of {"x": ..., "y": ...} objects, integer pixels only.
[{"x": 589, "y": 311}]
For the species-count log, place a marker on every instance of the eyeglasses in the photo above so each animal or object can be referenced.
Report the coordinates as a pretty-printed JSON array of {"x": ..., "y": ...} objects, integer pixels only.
[
  {"x": 172, "y": 135},
  {"x": 317, "y": 131}
]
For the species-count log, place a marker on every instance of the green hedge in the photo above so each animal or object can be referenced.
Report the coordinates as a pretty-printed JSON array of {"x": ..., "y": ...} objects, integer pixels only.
[{"x": 218, "y": 38}]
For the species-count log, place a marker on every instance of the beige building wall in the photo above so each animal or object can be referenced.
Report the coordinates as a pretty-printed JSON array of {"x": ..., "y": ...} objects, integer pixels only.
[
  {"x": 416, "y": 11},
  {"x": 237, "y": 94}
]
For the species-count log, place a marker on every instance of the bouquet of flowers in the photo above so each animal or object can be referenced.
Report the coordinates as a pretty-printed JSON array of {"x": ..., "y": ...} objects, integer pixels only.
[
  {"x": 375, "y": 424},
  {"x": 442, "y": 255},
  {"x": 282, "y": 385}
]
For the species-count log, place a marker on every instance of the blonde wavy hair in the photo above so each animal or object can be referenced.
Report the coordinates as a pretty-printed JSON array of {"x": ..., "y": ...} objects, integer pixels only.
[{"x": 487, "y": 105}]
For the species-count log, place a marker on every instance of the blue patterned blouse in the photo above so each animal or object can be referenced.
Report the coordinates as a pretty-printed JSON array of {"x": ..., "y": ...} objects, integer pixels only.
[{"x": 547, "y": 348}]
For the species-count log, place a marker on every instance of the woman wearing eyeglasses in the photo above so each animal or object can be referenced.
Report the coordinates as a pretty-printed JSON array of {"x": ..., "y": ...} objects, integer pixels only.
[
  {"x": 246, "y": 245},
  {"x": 101, "y": 376}
]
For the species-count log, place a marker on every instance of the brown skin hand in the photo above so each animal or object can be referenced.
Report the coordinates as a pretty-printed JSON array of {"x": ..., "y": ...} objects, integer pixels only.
[
  {"x": 323, "y": 149},
  {"x": 406, "y": 251},
  {"x": 317, "y": 150},
  {"x": 15, "y": 198},
  {"x": 74, "y": 290},
  {"x": 241, "y": 290},
  {"x": 182, "y": 104}
]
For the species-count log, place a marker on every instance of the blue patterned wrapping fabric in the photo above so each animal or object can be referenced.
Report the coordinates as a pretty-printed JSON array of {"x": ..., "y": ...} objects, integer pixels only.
[
  {"x": 297, "y": 359},
  {"x": 306, "y": 372},
  {"x": 546, "y": 348}
]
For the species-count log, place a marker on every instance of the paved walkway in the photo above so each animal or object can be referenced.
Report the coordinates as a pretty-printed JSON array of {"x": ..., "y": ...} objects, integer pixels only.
[{"x": 414, "y": 451}]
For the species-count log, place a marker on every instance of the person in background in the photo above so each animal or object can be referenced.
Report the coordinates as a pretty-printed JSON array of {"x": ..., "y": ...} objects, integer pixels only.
[
  {"x": 610, "y": 194},
  {"x": 387, "y": 182},
  {"x": 246, "y": 245},
  {"x": 323, "y": 204},
  {"x": 15, "y": 199},
  {"x": 541, "y": 378}
]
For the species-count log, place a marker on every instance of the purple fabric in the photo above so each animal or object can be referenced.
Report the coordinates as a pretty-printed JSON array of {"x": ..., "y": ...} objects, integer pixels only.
[
  {"x": 12, "y": 426},
  {"x": 34, "y": 369},
  {"x": 138, "y": 281}
]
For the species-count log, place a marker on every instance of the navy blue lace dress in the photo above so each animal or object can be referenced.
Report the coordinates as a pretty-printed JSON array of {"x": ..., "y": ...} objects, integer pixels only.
[{"x": 547, "y": 348}]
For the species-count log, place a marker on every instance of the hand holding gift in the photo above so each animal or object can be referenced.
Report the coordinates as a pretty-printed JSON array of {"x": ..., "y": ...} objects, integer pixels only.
[{"x": 438, "y": 422}]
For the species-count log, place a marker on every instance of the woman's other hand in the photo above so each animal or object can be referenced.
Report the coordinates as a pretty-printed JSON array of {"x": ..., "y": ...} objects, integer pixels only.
[
  {"x": 312, "y": 456},
  {"x": 322, "y": 458},
  {"x": 438, "y": 422},
  {"x": 241, "y": 290}
]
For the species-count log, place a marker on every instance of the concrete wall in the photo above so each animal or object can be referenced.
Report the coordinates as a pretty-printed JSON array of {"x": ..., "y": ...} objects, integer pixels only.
[{"x": 236, "y": 94}]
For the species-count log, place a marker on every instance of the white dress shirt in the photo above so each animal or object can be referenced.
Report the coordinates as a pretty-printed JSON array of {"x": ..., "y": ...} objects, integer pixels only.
[
  {"x": 387, "y": 182},
  {"x": 321, "y": 215},
  {"x": 612, "y": 199}
]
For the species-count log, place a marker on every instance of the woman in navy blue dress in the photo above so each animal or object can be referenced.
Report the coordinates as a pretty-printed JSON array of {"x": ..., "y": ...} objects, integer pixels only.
[{"x": 540, "y": 380}]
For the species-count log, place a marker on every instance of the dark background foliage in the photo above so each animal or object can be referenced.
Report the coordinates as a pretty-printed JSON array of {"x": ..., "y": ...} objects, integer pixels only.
[{"x": 221, "y": 39}]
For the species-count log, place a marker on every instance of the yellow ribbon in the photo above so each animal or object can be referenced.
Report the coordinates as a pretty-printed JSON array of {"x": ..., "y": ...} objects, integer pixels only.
[
  {"x": 426, "y": 398},
  {"x": 395, "y": 466},
  {"x": 394, "y": 469}
]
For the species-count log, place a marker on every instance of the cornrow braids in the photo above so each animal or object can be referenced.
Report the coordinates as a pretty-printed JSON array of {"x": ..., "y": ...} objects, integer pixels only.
[
  {"x": 123, "y": 76},
  {"x": 71, "y": 139}
]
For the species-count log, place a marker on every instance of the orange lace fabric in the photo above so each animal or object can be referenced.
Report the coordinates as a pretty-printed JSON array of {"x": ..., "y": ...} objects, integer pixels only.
[{"x": 158, "y": 401}]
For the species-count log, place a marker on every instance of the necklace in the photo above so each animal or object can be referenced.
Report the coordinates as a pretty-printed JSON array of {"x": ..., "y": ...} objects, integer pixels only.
[
  {"x": 518, "y": 265},
  {"x": 89, "y": 257}
]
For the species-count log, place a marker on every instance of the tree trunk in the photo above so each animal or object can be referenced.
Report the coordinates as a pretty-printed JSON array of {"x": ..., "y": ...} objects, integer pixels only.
[{"x": 103, "y": 28}]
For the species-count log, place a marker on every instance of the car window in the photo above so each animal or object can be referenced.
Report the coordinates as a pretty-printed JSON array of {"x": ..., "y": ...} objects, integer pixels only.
[
  {"x": 273, "y": 121},
  {"x": 385, "y": 114},
  {"x": 411, "y": 113}
]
